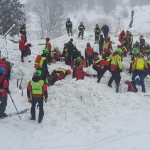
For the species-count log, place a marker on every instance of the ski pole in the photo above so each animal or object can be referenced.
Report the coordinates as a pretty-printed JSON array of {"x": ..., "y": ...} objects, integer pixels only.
[
  {"x": 20, "y": 86},
  {"x": 15, "y": 106}
]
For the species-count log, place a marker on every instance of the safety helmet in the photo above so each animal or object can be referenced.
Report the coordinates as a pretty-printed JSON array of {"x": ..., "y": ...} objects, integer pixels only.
[
  {"x": 148, "y": 57},
  {"x": 119, "y": 50},
  {"x": 78, "y": 59},
  {"x": 47, "y": 39},
  {"x": 136, "y": 51},
  {"x": 45, "y": 51},
  {"x": 2, "y": 70},
  {"x": 38, "y": 73},
  {"x": 88, "y": 44},
  {"x": 68, "y": 71}
]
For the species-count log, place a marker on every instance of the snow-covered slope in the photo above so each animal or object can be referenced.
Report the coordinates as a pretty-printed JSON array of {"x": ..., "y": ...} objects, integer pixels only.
[{"x": 79, "y": 115}]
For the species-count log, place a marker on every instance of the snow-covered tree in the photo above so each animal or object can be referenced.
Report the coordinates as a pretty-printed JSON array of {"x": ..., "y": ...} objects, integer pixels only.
[
  {"x": 11, "y": 12},
  {"x": 51, "y": 16}
]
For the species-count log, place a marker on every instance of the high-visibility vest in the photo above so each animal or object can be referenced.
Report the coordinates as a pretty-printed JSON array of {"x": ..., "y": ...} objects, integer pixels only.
[
  {"x": 37, "y": 86},
  {"x": 140, "y": 64},
  {"x": 60, "y": 70},
  {"x": 105, "y": 45},
  {"x": 116, "y": 61},
  {"x": 41, "y": 62}
]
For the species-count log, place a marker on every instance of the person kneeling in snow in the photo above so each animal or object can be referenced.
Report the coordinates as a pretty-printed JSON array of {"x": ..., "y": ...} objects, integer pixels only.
[
  {"x": 57, "y": 74},
  {"x": 80, "y": 73}
]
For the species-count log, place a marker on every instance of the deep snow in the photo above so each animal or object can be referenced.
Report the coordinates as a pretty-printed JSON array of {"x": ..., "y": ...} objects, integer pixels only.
[{"x": 79, "y": 115}]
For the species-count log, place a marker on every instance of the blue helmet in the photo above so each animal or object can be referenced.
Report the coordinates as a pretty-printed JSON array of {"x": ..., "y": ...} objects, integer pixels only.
[{"x": 2, "y": 70}]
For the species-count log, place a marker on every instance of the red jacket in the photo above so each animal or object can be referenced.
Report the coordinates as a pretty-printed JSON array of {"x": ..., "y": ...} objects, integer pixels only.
[
  {"x": 89, "y": 51},
  {"x": 3, "y": 63},
  {"x": 48, "y": 46},
  {"x": 3, "y": 86},
  {"x": 80, "y": 74},
  {"x": 22, "y": 45}
]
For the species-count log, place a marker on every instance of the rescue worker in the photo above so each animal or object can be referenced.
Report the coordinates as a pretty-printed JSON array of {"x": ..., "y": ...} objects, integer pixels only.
[
  {"x": 107, "y": 48},
  {"x": 122, "y": 37},
  {"x": 147, "y": 71},
  {"x": 115, "y": 68},
  {"x": 37, "y": 93},
  {"x": 4, "y": 90},
  {"x": 89, "y": 54},
  {"x": 7, "y": 66},
  {"x": 139, "y": 65},
  {"x": 77, "y": 64},
  {"x": 80, "y": 74},
  {"x": 48, "y": 46},
  {"x": 101, "y": 42},
  {"x": 22, "y": 47},
  {"x": 69, "y": 27},
  {"x": 23, "y": 31},
  {"x": 81, "y": 30},
  {"x": 100, "y": 66},
  {"x": 128, "y": 41},
  {"x": 105, "y": 30},
  {"x": 65, "y": 54},
  {"x": 142, "y": 44},
  {"x": 43, "y": 64},
  {"x": 97, "y": 31},
  {"x": 59, "y": 74}
]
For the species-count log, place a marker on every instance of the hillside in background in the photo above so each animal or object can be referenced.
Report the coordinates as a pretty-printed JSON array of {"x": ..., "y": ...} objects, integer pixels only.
[{"x": 79, "y": 115}]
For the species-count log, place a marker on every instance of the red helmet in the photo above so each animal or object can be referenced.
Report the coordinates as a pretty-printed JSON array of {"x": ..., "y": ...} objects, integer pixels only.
[{"x": 68, "y": 71}]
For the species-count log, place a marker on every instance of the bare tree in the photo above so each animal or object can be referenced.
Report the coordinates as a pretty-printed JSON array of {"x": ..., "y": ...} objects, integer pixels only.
[{"x": 51, "y": 17}]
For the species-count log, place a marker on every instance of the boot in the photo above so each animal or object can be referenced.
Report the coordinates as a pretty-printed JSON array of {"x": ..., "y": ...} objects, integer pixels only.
[
  {"x": 32, "y": 113},
  {"x": 22, "y": 60},
  {"x": 41, "y": 114}
]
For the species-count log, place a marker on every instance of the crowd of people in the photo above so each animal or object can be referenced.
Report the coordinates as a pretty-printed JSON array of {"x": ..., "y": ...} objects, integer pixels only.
[{"x": 107, "y": 59}]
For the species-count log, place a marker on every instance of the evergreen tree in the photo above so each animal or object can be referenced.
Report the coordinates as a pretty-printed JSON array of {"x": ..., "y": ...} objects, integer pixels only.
[{"x": 11, "y": 12}]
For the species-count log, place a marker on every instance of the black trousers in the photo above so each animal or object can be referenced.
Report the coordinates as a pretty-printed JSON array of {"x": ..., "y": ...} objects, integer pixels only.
[
  {"x": 40, "y": 104},
  {"x": 81, "y": 33},
  {"x": 3, "y": 104},
  {"x": 22, "y": 54},
  {"x": 89, "y": 60},
  {"x": 69, "y": 31},
  {"x": 115, "y": 76}
]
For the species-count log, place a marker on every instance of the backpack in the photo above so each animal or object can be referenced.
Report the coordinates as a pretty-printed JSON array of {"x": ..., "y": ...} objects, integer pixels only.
[
  {"x": 131, "y": 87},
  {"x": 37, "y": 62}
]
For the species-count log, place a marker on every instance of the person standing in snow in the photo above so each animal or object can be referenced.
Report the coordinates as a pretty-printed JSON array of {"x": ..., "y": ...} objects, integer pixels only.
[
  {"x": 81, "y": 29},
  {"x": 89, "y": 54},
  {"x": 4, "y": 85},
  {"x": 48, "y": 46},
  {"x": 69, "y": 27},
  {"x": 101, "y": 42},
  {"x": 37, "y": 93},
  {"x": 97, "y": 31},
  {"x": 116, "y": 68},
  {"x": 139, "y": 65},
  {"x": 22, "y": 47},
  {"x": 23, "y": 31},
  {"x": 105, "y": 30}
]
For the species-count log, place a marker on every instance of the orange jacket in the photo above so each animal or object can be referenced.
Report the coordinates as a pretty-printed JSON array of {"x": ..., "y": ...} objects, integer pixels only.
[{"x": 89, "y": 51}]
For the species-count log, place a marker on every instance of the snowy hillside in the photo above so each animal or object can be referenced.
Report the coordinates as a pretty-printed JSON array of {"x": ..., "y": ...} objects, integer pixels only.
[{"x": 79, "y": 115}]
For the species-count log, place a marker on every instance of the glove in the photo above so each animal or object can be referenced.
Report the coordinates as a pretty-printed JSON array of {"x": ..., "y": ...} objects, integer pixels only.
[
  {"x": 45, "y": 100},
  {"x": 30, "y": 99},
  {"x": 29, "y": 45}
]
